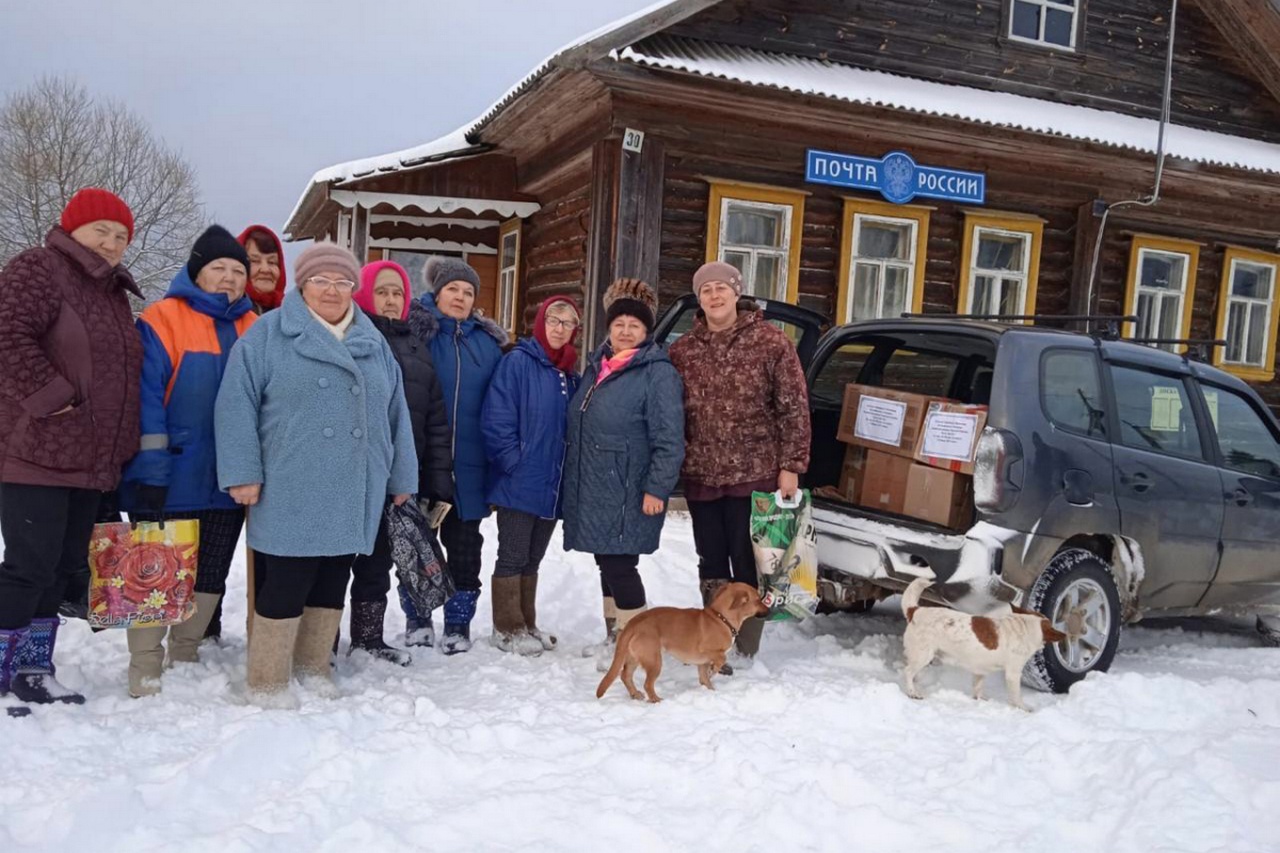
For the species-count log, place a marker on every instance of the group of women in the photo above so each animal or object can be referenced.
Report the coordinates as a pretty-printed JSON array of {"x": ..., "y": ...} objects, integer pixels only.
[{"x": 305, "y": 414}]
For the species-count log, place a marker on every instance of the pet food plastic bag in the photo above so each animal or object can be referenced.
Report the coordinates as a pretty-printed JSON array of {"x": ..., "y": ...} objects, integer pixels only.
[
  {"x": 420, "y": 567},
  {"x": 143, "y": 574},
  {"x": 786, "y": 548}
]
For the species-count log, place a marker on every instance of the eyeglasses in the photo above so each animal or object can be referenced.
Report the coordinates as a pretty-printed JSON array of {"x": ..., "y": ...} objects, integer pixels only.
[
  {"x": 341, "y": 285},
  {"x": 557, "y": 323}
]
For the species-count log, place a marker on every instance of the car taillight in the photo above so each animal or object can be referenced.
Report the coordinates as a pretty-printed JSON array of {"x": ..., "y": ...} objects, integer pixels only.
[{"x": 997, "y": 470}]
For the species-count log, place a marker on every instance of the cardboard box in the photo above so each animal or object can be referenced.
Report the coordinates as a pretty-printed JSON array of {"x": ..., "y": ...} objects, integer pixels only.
[
  {"x": 851, "y": 473},
  {"x": 940, "y": 496},
  {"x": 884, "y": 482},
  {"x": 949, "y": 436},
  {"x": 882, "y": 419}
]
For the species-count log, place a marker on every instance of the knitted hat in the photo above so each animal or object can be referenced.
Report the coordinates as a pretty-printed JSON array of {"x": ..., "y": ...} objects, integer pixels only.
[
  {"x": 91, "y": 204},
  {"x": 439, "y": 271},
  {"x": 632, "y": 297},
  {"x": 369, "y": 274},
  {"x": 320, "y": 257},
  {"x": 717, "y": 271},
  {"x": 216, "y": 242}
]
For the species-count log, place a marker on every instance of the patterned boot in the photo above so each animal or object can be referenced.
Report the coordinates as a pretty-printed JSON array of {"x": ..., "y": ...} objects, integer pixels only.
[
  {"x": 418, "y": 630},
  {"x": 366, "y": 633},
  {"x": 34, "y": 676},
  {"x": 458, "y": 613},
  {"x": 10, "y": 641}
]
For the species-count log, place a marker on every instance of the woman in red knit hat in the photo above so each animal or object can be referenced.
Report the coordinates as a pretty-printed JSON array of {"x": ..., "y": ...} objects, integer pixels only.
[{"x": 70, "y": 360}]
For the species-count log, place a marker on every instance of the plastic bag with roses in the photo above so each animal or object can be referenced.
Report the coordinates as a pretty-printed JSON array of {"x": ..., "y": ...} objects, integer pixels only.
[{"x": 143, "y": 574}]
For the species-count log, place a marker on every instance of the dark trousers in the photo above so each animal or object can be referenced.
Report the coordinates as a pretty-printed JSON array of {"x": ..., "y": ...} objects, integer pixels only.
[
  {"x": 620, "y": 579},
  {"x": 522, "y": 542},
  {"x": 371, "y": 573},
  {"x": 722, "y": 537},
  {"x": 46, "y": 532},
  {"x": 219, "y": 535},
  {"x": 295, "y": 583},
  {"x": 462, "y": 543}
]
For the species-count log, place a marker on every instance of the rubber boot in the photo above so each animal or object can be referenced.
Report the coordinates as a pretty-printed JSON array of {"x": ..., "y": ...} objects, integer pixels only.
[
  {"x": 271, "y": 660},
  {"x": 709, "y": 588},
  {"x": 313, "y": 648},
  {"x": 459, "y": 610},
  {"x": 610, "y": 631},
  {"x": 604, "y": 661},
  {"x": 366, "y": 633},
  {"x": 529, "y": 604},
  {"x": 185, "y": 637},
  {"x": 34, "y": 676},
  {"x": 10, "y": 641},
  {"x": 146, "y": 660},
  {"x": 509, "y": 633}
]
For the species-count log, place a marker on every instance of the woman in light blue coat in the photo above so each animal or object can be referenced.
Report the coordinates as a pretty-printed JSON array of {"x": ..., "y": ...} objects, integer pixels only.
[{"x": 313, "y": 434}]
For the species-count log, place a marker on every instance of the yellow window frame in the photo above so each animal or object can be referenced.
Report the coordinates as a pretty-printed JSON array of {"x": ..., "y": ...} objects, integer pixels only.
[
  {"x": 511, "y": 226},
  {"x": 1158, "y": 243},
  {"x": 855, "y": 207},
  {"x": 722, "y": 190},
  {"x": 1011, "y": 223},
  {"x": 1248, "y": 372}
]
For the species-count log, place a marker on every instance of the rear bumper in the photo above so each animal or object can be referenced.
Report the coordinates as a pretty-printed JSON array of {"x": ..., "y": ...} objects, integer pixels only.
[{"x": 855, "y": 546}]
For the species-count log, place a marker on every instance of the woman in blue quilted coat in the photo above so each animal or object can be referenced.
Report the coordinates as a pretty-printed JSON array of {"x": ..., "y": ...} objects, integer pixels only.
[{"x": 524, "y": 421}]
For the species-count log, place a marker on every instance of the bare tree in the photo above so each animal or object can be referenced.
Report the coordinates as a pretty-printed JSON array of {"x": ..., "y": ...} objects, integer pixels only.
[{"x": 56, "y": 138}]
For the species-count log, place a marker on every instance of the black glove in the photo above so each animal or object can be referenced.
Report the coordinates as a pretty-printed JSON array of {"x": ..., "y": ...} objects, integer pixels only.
[{"x": 151, "y": 499}]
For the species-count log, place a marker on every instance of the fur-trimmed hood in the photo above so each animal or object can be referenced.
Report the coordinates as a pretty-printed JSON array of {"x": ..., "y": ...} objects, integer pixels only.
[{"x": 425, "y": 321}]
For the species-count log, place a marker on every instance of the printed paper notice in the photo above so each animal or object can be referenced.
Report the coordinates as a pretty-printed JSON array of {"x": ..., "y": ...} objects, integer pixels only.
[
  {"x": 949, "y": 435},
  {"x": 880, "y": 420}
]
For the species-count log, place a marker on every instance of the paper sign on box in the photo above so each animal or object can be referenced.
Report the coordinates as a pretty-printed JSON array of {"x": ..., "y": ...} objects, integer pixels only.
[{"x": 949, "y": 436}]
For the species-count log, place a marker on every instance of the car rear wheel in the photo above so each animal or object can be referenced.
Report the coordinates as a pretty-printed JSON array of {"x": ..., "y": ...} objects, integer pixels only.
[{"x": 1077, "y": 592}]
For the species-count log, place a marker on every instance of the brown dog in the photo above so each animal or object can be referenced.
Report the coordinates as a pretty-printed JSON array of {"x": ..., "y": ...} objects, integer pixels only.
[{"x": 699, "y": 637}]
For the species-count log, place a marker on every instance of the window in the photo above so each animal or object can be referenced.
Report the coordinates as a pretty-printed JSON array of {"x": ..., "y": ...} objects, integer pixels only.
[
  {"x": 1247, "y": 314},
  {"x": 1000, "y": 263},
  {"x": 882, "y": 259},
  {"x": 1155, "y": 413},
  {"x": 757, "y": 229},
  {"x": 1247, "y": 443},
  {"x": 508, "y": 273},
  {"x": 1048, "y": 22},
  {"x": 842, "y": 367},
  {"x": 1162, "y": 283},
  {"x": 413, "y": 263},
  {"x": 1070, "y": 392},
  {"x": 919, "y": 372}
]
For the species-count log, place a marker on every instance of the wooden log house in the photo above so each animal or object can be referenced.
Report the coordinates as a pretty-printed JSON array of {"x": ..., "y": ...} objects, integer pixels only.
[{"x": 698, "y": 129}]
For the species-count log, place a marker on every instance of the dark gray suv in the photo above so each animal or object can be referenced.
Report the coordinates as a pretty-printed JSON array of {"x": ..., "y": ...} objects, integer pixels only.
[{"x": 1114, "y": 481}]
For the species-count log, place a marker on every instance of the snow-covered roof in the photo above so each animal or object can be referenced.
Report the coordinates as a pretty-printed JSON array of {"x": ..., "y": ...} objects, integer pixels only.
[{"x": 877, "y": 88}]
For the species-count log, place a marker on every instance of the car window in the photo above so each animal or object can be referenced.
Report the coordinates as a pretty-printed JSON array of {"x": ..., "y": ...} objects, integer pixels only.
[
  {"x": 1247, "y": 444},
  {"x": 1071, "y": 392},
  {"x": 919, "y": 372},
  {"x": 1154, "y": 412},
  {"x": 843, "y": 367}
]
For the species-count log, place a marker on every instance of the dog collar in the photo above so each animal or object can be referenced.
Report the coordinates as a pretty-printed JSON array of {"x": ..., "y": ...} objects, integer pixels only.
[{"x": 733, "y": 631}]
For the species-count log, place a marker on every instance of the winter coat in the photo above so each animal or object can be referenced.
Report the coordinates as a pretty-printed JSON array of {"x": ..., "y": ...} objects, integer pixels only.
[
  {"x": 67, "y": 339},
  {"x": 426, "y": 408},
  {"x": 626, "y": 440},
  {"x": 465, "y": 355},
  {"x": 322, "y": 424},
  {"x": 524, "y": 424},
  {"x": 745, "y": 401},
  {"x": 186, "y": 340}
]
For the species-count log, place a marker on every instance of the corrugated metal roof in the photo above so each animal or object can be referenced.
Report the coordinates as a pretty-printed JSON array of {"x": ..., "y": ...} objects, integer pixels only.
[{"x": 998, "y": 109}]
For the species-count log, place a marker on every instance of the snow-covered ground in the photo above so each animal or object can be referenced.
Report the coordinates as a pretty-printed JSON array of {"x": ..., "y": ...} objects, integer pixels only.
[{"x": 816, "y": 748}]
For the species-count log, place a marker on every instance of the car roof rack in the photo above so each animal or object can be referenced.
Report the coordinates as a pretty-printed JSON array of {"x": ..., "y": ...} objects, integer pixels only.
[{"x": 1110, "y": 322}]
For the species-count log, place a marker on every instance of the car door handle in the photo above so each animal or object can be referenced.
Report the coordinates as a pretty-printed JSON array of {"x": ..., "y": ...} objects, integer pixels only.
[
  {"x": 1139, "y": 482},
  {"x": 1242, "y": 497}
]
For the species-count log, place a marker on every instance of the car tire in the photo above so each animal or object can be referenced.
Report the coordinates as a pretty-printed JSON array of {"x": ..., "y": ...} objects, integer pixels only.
[{"x": 1077, "y": 592}]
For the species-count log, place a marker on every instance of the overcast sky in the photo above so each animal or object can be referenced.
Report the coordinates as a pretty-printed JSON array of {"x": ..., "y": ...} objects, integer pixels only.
[{"x": 260, "y": 95}]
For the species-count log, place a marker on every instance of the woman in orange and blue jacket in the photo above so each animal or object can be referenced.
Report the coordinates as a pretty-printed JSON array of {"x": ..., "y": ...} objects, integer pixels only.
[{"x": 186, "y": 340}]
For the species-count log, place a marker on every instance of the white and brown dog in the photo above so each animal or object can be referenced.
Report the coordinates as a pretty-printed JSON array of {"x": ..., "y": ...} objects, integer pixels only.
[{"x": 980, "y": 644}]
